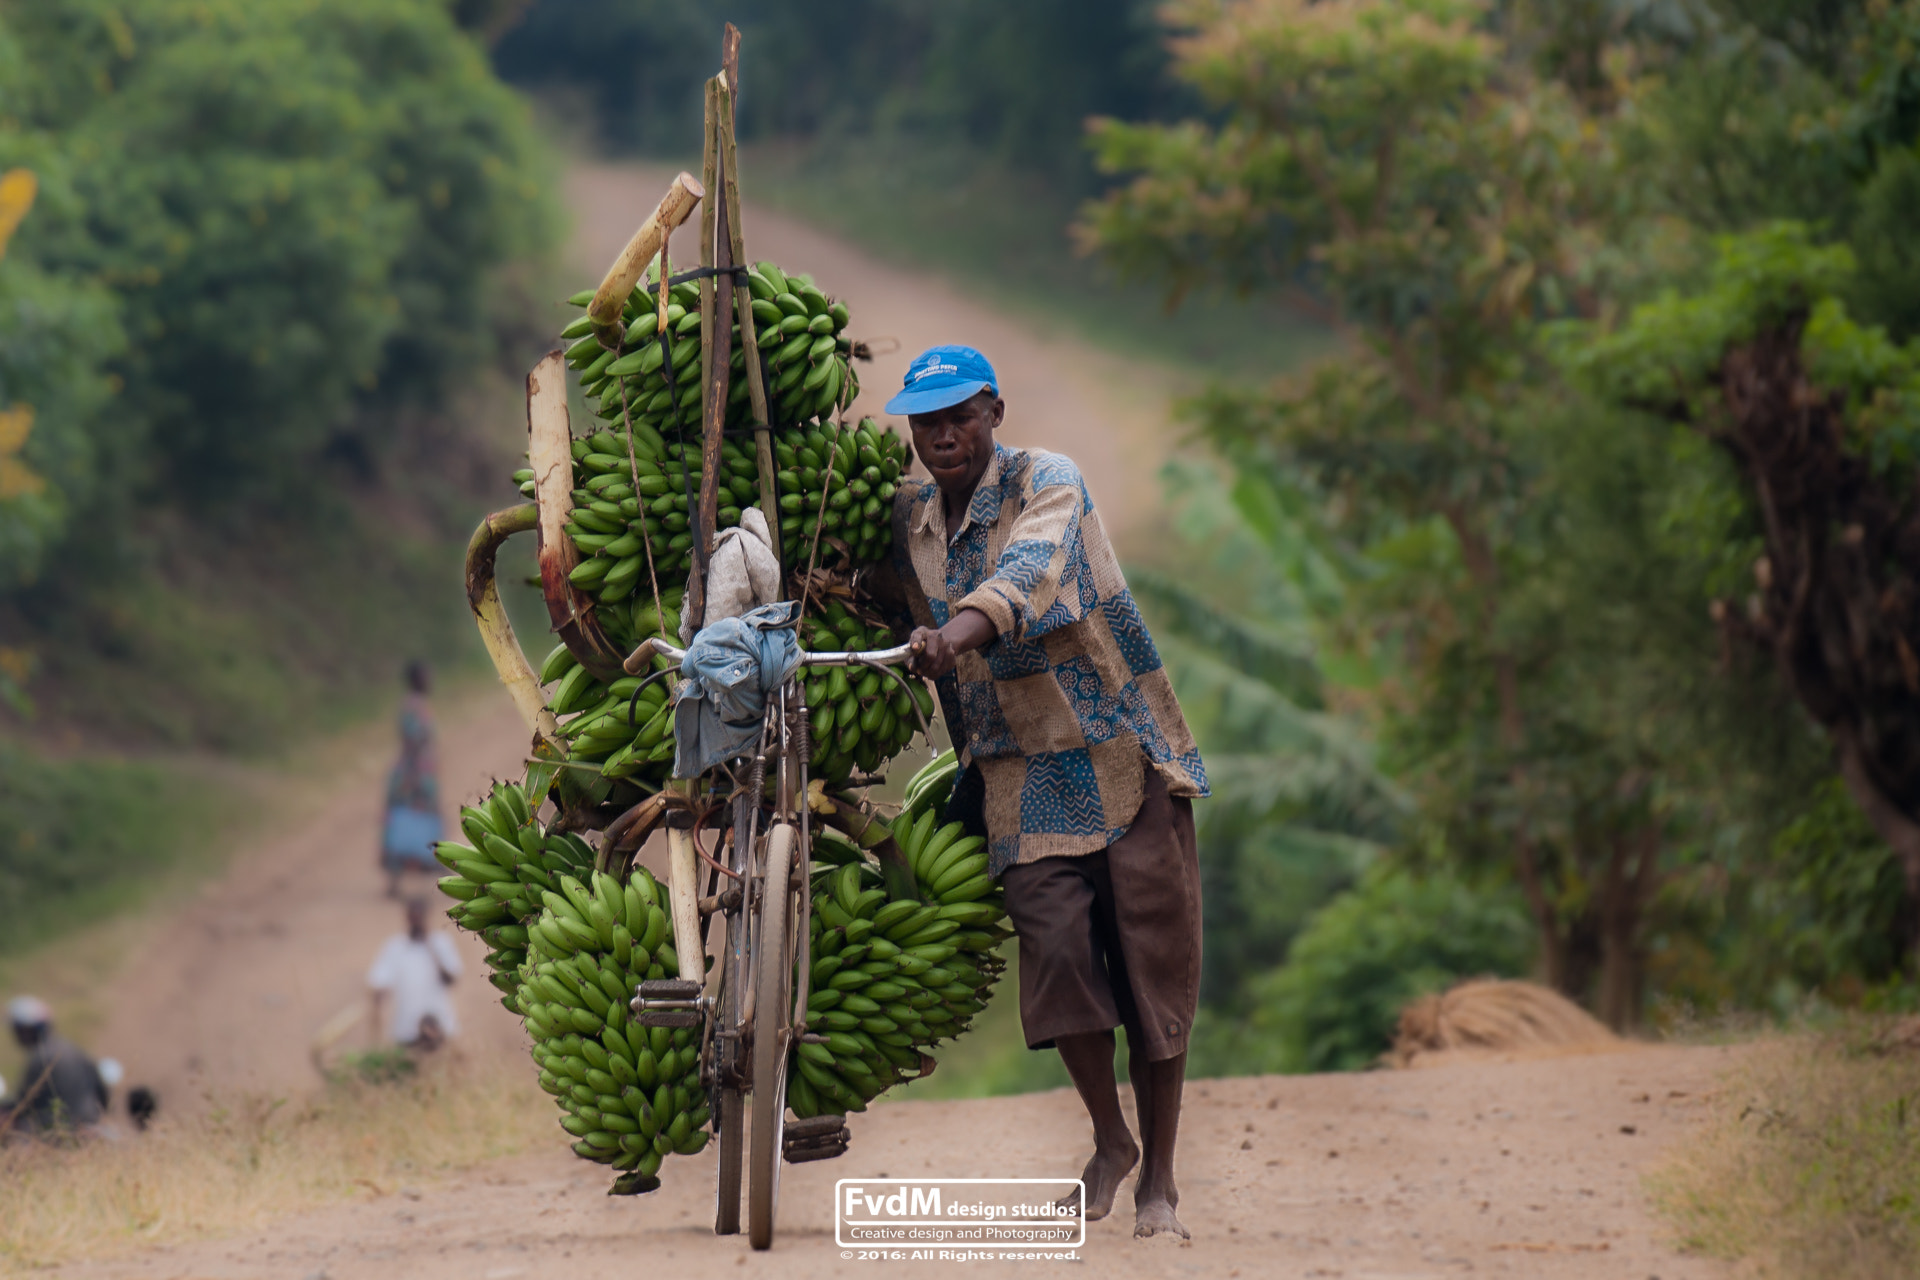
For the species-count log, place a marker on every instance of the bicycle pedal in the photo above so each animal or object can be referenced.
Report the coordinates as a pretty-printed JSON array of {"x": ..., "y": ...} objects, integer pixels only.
[
  {"x": 815, "y": 1138},
  {"x": 668, "y": 1002},
  {"x": 805, "y": 1155},
  {"x": 815, "y": 1127}
]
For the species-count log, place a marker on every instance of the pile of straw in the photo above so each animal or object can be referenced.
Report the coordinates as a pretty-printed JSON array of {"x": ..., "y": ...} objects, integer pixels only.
[{"x": 1487, "y": 1017}]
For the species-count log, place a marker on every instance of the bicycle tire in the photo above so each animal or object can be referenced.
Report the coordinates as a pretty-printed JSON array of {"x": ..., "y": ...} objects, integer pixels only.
[
  {"x": 730, "y": 1104},
  {"x": 772, "y": 1018},
  {"x": 730, "y": 1133}
]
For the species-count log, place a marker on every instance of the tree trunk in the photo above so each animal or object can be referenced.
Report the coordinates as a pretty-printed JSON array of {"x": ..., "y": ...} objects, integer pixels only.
[
  {"x": 1625, "y": 889},
  {"x": 1838, "y": 601}
]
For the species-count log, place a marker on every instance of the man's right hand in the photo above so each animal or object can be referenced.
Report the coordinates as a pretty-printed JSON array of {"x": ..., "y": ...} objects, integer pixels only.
[{"x": 937, "y": 651}]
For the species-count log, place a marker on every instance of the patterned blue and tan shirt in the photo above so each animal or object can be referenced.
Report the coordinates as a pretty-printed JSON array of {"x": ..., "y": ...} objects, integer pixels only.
[{"x": 1065, "y": 708}]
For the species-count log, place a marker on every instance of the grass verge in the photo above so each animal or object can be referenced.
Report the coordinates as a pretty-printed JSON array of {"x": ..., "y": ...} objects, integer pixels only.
[
  {"x": 259, "y": 1157},
  {"x": 1810, "y": 1164}
]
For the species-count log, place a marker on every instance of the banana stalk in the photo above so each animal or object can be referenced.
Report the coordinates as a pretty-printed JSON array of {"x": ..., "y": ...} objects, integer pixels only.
[
  {"x": 550, "y": 450},
  {"x": 496, "y": 629},
  {"x": 870, "y": 833},
  {"x": 627, "y": 268}
]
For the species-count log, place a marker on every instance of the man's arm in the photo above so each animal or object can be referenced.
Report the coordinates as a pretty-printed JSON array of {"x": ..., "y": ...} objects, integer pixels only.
[
  {"x": 938, "y": 649},
  {"x": 1034, "y": 570}
]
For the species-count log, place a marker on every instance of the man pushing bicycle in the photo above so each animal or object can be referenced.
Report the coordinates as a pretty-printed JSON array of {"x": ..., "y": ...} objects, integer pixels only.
[{"x": 1081, "y": 770}]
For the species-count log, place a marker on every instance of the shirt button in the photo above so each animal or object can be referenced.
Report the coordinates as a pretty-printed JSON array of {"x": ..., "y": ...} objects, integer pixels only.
[{"x": 1173, "y": 1028}]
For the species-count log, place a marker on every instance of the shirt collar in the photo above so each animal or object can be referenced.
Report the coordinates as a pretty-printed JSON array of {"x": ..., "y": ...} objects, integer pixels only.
[{"x": 983, "y": 508}]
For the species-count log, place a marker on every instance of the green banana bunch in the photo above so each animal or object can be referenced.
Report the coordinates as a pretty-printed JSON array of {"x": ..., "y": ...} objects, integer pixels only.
[
  {"x": 801, "y": 333},
  {"x": 860, "y": 717},
  {"x": 891, "y": 979},
  {"x": 630, "y": 1095},
  {"x": 836, "y": 487},
  {"x": 498, "y": 878},
  {"x": 614, "y": 525},
  {"x": 626, "y": 728},
  {"x": 570, "y": 945},
  {"x": 627, "y": 498},
  {"x": 801, "y": 336},
  {"x": 929, "y": 789}
]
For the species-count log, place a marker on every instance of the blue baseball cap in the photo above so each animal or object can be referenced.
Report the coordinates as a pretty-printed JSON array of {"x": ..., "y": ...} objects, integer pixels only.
[{"x": 941, "y": 377}]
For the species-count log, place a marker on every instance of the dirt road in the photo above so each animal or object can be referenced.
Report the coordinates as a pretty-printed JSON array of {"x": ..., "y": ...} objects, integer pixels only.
[
  {"x": 1528, "y": 1169},
  {"x": 229, "y": 994},
  {"x": 1524, "y": 1170}
]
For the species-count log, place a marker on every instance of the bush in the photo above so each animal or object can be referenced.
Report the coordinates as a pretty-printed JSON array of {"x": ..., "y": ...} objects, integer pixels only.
[
  {"x": 1332, "y": 1006},
  {"x": 76, "y": 832}
]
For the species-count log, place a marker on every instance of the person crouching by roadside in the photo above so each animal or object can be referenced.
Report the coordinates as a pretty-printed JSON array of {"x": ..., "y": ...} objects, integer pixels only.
[
  {"x": 60, "y": 1089},
  {"x": 416, "y": 968}
]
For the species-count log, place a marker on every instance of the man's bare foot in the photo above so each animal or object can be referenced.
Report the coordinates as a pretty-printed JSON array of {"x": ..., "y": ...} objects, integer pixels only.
[
  {"x": 1153, "y": 1216},
  {"x": 1104, "y": 1173}
]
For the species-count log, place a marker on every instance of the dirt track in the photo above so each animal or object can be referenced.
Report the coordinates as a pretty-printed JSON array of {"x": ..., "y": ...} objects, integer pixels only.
[
  {"x": 1525, "y": 1169},
  {"x": 1522, "y": 1169}
]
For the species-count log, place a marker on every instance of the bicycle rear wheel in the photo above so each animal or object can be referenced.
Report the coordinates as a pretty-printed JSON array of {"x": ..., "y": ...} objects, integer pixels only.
[{"x": 772, "y": 1032}]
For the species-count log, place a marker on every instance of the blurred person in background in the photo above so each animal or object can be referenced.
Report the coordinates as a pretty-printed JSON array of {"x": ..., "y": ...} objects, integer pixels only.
[
  {"x": 416, "y": 968},
  {"x": 412, "y": 825},
  {"x": 60, "y": 1088}
]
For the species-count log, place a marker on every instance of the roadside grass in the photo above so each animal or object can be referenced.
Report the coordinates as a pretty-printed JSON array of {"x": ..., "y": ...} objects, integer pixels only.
[
  {"x": 252, "y": 1158},
  {"x": 1809, "y": 1165}
]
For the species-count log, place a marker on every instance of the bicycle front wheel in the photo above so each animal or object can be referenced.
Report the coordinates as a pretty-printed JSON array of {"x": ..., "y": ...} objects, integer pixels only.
[{"x": 772, "y": 1032}]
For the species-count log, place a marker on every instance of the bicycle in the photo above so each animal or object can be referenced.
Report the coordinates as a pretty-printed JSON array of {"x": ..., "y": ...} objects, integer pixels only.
[{"x": 751, "y": 1005}]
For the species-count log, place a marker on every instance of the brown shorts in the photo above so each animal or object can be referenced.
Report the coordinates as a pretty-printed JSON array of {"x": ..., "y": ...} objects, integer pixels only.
[{"x": 1112, "y": 938}]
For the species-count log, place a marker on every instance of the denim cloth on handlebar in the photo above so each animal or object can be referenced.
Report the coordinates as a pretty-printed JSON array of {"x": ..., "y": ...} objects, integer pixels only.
[{"x": 731, "y": 667}]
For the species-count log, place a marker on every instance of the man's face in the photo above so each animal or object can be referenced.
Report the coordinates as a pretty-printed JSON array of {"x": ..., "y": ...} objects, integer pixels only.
[
  {"x": 417, "y": 919},
  {"x": 955, "y": 444}
]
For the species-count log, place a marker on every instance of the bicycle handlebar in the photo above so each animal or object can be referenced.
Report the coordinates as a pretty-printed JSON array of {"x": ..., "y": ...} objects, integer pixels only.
[{"x": 641, "y": 658}]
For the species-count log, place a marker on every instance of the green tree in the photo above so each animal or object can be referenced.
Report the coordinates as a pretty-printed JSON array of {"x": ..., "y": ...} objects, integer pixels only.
[
  {"x": 58, "y": 331},
  {"x": 1394, "y": 157},
  {"x": 1821, "y": 416},
  {"x": 300, "y": 206}
]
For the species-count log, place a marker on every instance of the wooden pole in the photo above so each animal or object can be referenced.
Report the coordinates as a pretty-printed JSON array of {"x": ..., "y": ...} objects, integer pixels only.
[
  {"x": 717, "y": 341},
  {"x": 695, "y": 607},
  {"x": 749, "y": 333},
  {"x": 604, "y": 312}
]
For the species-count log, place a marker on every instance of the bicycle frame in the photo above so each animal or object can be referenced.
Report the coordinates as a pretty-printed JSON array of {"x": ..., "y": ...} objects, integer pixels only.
[{"x": 728, "y": 996}]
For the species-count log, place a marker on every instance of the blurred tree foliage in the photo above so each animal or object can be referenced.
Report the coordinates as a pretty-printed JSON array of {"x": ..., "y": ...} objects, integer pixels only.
[
  {"x": 269, "y": 243},
  {"x": 1362, "y": 957},
  {"x": 1013, "y": 82},
  {"x": 298, "y": 208},
  {"x": 270, "y": 240},
  {"x": 1462, "y": 182},
  {"x": 1299, "y": 808}
]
